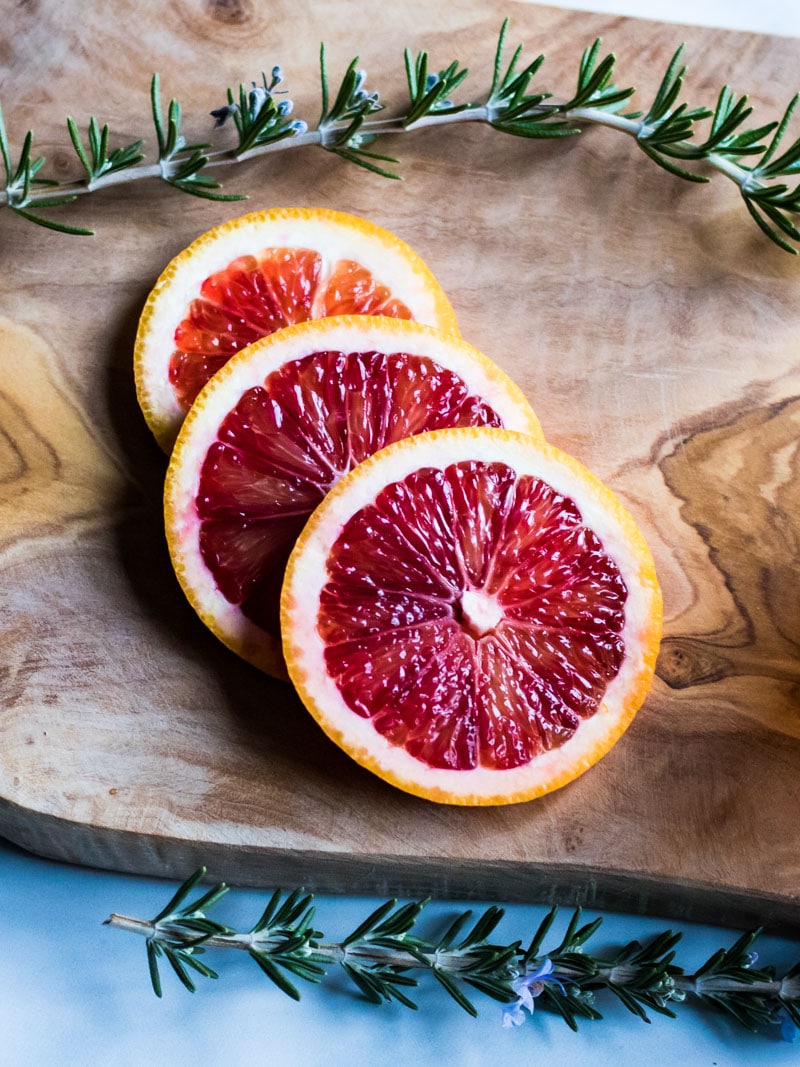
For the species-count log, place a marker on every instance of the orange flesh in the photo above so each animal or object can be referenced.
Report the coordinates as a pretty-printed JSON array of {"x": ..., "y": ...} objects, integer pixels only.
[
  {"x": 472, "y": 616},
  {"x": 257, "y": 295},
  {"x": 286, "y": 442}
]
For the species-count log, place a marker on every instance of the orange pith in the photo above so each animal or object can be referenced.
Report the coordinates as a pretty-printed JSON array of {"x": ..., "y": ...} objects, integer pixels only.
[
  {"x": 278, "y": 427},
  {"x": 252, "y": 276},
  {"x": 472, "y": 616}
]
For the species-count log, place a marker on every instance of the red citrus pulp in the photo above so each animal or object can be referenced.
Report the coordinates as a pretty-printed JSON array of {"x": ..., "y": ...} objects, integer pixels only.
[
  {"x": 257, "y": 274},
  {"x": 279, "y": 425},
  {"x": 472, "y": 615}
]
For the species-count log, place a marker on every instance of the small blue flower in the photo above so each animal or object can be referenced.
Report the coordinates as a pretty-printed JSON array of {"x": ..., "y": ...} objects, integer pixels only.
[
  {"x": 222, "y": 114},
  {"x": 527, "y": 987},
  {"x": 513, "y": 1016},
  {"x": 277, "y": 77},
  {"x": 431, "y": 81},
  {"x": 257, "y": 98},
  {"x": 285, "y": 107},
  {"x": 299, "y": 127}
]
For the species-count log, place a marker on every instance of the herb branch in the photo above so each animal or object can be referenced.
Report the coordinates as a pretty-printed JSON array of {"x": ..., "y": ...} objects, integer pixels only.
[
  {"x": 669, "y": 132},
  {"x": 380, "y": 954}
]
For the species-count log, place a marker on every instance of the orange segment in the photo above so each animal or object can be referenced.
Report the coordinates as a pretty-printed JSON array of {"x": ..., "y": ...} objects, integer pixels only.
[
  {"x": 472, "y": 615},
  {"x": 252, "y": 276},
  {"x": 248, "y": 299},
  {"x": 279, "y": 425},
  {"x": 352, "y": 290}
]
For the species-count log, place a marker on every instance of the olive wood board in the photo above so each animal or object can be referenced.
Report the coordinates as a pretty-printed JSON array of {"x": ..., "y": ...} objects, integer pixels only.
[{"x": 654, "y": 329}]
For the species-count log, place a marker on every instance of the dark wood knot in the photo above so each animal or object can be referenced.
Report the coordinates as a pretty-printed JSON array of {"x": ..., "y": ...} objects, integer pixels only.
[
  {"x": 684, "y": 662},
  {"x": 230, "y": 12}
]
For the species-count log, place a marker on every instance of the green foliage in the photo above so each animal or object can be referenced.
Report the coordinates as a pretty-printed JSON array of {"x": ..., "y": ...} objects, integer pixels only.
[
  {"x": 669, "y": 133},
  {"x": 181, "y": 164},
  {"x": 259, "y": 118},
  {"x": 735, "y": 965},
  {"x": 284, "y": 940},
  {"x": 22, "y": 180},
  {"x": 486, "y": 967},
  {"x": 380, "y": 952},
  {"x": 98, "y": 161},
  {"x": 429, "y": 92},
  {"x": 179, "y": 931},
  {"x": 341, "y": 123}
]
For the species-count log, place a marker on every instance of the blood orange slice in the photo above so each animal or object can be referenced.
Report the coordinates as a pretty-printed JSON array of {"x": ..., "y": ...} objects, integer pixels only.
[
  {"x": 254, "y": 275},
  {"x": 473, "y": 616},
  {"x": 279, "y": 425}
]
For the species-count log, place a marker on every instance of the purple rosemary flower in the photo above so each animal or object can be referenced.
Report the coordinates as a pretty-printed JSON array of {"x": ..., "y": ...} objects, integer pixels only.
[
  {"x": 222, "y": 114},
  {"x": 527, "y": 987}
]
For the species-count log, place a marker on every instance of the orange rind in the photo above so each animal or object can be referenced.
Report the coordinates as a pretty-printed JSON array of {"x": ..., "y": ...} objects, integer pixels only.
[
  {"x": 473, "y": 616},
  {"x": 253, "y": 275}
]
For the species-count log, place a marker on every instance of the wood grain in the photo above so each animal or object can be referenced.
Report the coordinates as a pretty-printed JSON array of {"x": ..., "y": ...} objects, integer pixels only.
[{"x": 651, "y": 325}]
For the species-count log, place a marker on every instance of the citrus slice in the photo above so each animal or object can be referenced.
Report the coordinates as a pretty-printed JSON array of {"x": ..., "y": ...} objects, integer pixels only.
[
  {"x": 473, "y": 616},
  {"x": 254, "y": 275},
  {"x": 279, "y": 425}
]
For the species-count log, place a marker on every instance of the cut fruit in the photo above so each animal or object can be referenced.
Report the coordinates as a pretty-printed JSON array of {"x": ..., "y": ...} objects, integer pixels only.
[
  {"x": 279, "y": 425},
  {"x": 254, "y": 275},
  {"x": 472, "y": 616}
]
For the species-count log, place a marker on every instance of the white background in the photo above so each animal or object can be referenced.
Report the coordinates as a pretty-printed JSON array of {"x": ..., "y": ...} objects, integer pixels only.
[
  {"x": 763, "y": 16},
  {"x": 73, "y": 991}
]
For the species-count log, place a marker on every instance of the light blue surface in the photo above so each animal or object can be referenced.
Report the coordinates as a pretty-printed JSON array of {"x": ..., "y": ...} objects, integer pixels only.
[{"x": 75, "y": 992}]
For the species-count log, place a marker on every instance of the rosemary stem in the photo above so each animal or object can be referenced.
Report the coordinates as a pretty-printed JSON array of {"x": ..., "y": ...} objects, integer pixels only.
[
  {"x": 604, "y": 118},
  {"x": 473, "y": 113},
  {"x": 334, "y": 952},
  {"x": 451, "y": 962},
  {"x": 133, "y": 926},
  {"x": 633, "y": 128},
  {"x": 378, "y": 127},
  {"x": 688, "y": 983},
  {"x": 730, "y": 170}
]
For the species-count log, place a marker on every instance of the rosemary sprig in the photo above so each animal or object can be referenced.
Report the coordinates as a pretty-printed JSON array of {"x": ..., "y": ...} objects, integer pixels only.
[
  {"x": 341, "y": 123},
  {"x": 669, "y": 132},
  {"x": 178, "y": 933},
  {"x": 428, "y": 91},
  {"x": 22, "y": 181},
  {"x": 283, "y": 939},
  {"x": 99, "y": 161},
  {"x": 380, "y": 953},
  {"x": 181, "y": 164}
]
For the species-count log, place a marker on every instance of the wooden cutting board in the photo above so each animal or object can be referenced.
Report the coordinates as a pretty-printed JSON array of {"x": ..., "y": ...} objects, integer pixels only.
[{"x": 655, "y": 331}]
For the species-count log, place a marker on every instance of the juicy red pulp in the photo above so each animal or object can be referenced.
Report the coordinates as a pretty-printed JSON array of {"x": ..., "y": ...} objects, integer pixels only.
[
  {"x": 286, "y": 442},
  {"x": 400, "y": 651},
  {"x": 257, "y": 295}
]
